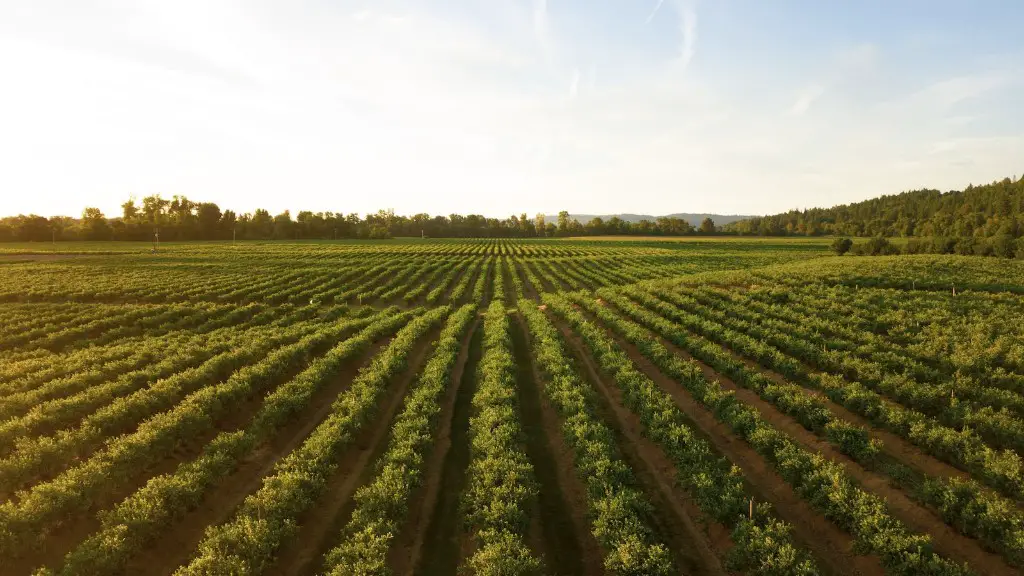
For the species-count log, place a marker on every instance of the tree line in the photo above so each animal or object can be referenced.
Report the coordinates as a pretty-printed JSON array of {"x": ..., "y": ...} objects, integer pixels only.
[
  {"x": 157, "y": 218},
  {"x": 987, "y": 211}
]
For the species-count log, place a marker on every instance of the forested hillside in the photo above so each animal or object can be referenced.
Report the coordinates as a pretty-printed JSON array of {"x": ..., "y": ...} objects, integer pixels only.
[{"x": 992, "y": 210}]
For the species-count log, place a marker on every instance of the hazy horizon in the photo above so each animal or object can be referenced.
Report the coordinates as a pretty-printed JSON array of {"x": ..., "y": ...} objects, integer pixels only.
[{"x": 492, "y": 107}]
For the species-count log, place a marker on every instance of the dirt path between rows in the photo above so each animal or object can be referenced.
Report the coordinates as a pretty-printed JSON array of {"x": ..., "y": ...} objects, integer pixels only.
[
  {"x": 832, "y": 547},
  {"x": 320, "y": 526},
  {"x": 564, "y": 533},
  {"x": 181, "y": 539},
  {"x": 529, "y": 289},
  {"x": 67, "y": 536},
  {"x": 407, "y": 549},
  {"x": 440, "y": 546},
  {"x": 894, "y": 445},
  {"x": 918, "y": 518},
  {"x": 697, "y": 546}
]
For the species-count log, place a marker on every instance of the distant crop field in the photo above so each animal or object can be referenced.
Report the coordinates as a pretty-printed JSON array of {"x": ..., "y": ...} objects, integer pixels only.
[{"x": 626, "y": 406}]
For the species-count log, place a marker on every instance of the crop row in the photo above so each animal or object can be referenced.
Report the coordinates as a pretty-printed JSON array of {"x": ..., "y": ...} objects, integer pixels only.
[
  {"x": 962, "y": 504},
  {"x": 825, "y": 485},
  {"x": 381, "y": 505},
  {"x": 140, "y": 518},
  {"x": 761, "y": 541},
  {"x": 36, "y": 510},
  {"x": 266, "y": 518},
  {"x": 501, "y": 489},
  {"x": 1002, "y": 470}
]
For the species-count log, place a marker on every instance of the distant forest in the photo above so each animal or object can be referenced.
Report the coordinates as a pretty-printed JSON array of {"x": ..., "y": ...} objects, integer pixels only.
[
  {"x": 987, "y": 211},
  {"x": 182, "y": 219},
  {"x": 985, "y": 219}
]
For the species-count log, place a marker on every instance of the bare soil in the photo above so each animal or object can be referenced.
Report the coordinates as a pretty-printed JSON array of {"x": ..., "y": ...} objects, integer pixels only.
[
  {"x": 441, "y": 546},
  {"x": 832, "y": 547},
  {"x": 697, "y": 545},
  {"x": 407, "y": 548},
  {"x": 564, "y": 533},
  {"x": 182, "y": 537},
  {"x": 321, "y": 525}
]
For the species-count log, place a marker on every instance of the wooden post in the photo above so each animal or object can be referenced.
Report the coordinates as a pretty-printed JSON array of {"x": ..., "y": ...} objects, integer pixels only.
[{"x": 751, "y": 508}]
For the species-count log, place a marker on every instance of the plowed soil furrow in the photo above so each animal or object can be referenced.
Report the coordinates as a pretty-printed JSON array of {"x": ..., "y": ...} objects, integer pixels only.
[
  {"x": 832, "y": 547},
  {"x": 321, "y": 525},
  {"x": 176, "y": 545},
  {"x": 917, "y": 517},
  {"x": 407, "y": 549},
  {"x": 697, "y": 546},
  {"x": 441, "y": 545},
  {"x": 565, "y": 539}
]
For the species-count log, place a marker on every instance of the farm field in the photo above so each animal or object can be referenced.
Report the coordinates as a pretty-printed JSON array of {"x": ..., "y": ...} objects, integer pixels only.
[{"x": 499, "y": 407}]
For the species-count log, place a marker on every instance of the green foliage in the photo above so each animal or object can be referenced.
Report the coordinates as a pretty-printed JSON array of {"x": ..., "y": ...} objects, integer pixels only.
[
  {"x": 500, "y": 488},
  {"x": 715, "y": 484},
  {"x": 247, "y": 543},
  {"x": 381, "y": 505},
  {"x": 841, "y": 246}
]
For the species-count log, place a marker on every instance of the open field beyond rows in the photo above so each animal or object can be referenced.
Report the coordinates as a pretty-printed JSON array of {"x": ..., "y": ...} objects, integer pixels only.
[{"x": 501, "y": 407}]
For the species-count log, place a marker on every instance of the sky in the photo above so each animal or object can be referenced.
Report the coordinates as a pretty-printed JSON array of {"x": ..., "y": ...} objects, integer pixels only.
[{"x": 505, "y": 106}]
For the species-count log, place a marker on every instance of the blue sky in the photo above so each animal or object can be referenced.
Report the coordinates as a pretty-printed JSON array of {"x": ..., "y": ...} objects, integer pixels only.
[{"x": 504, "y": 106}]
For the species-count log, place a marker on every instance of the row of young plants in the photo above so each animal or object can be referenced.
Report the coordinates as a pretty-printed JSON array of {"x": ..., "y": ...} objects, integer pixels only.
[
  {"x": 544, "y": 274},
  {"x": 501, "y": 489},
  {"x": 44, "y": 505},
  {"x": 18, "y": 329},
  {"x": 451, "y": 275},
  {"x": 52, "y": 378},
  {"x": 187, "y": 316},
  {"x": 989, "y": 357},
  {"x": 602, "y": 276},
  {"x": 964, "y": 505},
  {"x": 482, "y": 281},
  {"x": 1002, "y": 470},
  {"x": 617, "y": 509},
  {"x": 421, "y": 288},
  {"x": 28, "y": 413},
  {"x": 372, "y": 278},
  {"x": 139, "y": 519},
  {"x": 246, "y": 544},
  {"x": 531, "y": 276},
  {"x": 382, "y": 504},
  {"x": 762, "y": 543},
  {"x": 418, "y": 282},
  {"x": 830, "y": 333},
  {"x": 19, "y": 376},
  {"x": 518, "y": 291},
  {"x": 498, "y": 282},
  {"x": 107, "y": 410},
  {"x": 462, "y": 286},
  {"x": 955, "y": 400},
  {"x": 54, "y": 335},
  {"x": 824, "y": 484},
  {"x": 404, "y": 275}
]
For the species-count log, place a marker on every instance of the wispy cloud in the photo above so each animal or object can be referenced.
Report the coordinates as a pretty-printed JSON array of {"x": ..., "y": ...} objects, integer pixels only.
[
  {"x": 653, "y": 12},
  {"x": 574, "y": 84},
  {"x": 806, "y": 98},
  {"x": 688, "y": 28}
]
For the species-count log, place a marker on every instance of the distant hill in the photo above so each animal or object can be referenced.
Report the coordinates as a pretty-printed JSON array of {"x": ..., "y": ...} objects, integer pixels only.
[
  {"x": 695, "y": 219},
  {"x": 989, "y": 210}
]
